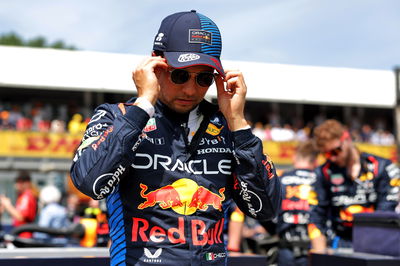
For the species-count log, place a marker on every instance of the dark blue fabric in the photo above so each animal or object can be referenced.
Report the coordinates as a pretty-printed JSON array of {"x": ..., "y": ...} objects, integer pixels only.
[{"x": 166, "y": 197}]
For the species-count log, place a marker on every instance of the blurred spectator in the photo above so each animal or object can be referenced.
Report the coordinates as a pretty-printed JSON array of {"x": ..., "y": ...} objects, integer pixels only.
[
  {"x": 25, "y": 208},
  {"x": 282, "y": 134},
  {"x": 57, "y": 126},
  {"x": 382, "y": 137},
  {"x": 72, "y": 208},
  {"x": 274, "y": 119},
  {"x": 319, "y": 118},
  {"x": 355, "y": 135},
  {"x": 24, "y": 124},
  {"x": 388, "y": 138},
  {"x": 75, "y": 125},
  {"x": 303, "y": 134},
  {"x": 366, "y": 133},
  {"x": 52, "y": 214},
  {"x": 14, "y": 116},
  {"x": 4, "y": 120},
  {"x": 259, "y": 131},
  {"x": 267, "y": 132},
  {"x": 46, "y": 118}
]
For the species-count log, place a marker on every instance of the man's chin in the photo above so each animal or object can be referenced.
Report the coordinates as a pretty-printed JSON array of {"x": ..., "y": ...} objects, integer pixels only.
[{"x": 182, "y": 109}]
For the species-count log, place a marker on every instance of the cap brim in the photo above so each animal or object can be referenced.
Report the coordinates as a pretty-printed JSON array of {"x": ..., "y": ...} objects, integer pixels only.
[{"x": 188, "y": 59}]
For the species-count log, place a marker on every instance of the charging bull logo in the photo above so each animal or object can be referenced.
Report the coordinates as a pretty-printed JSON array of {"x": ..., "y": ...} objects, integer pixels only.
[
  {"x": 167, "y": 197},
  {"x": 184, "y": 196},
  {"x": 300, "y": 192}
]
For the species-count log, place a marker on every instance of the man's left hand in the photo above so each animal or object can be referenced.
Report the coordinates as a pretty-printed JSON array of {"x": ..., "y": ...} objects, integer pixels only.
[{"x": 232, "y": 98}]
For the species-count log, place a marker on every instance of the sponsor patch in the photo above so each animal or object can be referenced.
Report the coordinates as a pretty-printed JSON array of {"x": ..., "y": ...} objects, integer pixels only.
[
  {"x": 247, "y": 196},
  {"x": 269, "y": 166},
  {"x": 200, "y": 36},
  {"x": 97, "y": 116},
  {"x": 213, "y": 130},
  {"x": 105, "y": 184},
  {"x": 194, "y": 231},
  {"x": 86, "y": 143},
  {"x": 337, "y": 179},
  {"x": 188, "y": 57},
  {"x": 184, "y": 196},
  {"x": 152, "y": 258},
  {"x": 213, "y": 256},
  {"x": 151, "y": 125}
]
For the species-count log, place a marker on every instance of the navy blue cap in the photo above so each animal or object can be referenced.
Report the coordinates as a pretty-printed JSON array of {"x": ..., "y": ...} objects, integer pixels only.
[{"x": 189, "y": 39}]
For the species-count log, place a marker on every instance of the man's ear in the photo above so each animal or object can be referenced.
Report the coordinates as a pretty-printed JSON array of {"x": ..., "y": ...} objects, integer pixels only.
[{"x": 153, "y": 54}]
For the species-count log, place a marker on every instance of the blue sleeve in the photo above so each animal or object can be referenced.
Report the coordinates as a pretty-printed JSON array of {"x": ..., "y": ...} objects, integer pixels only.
[
  {"x": 319, "y": 201},
  {"x": 107, "y": 148},
  {"x": 387, "y": 187},
  {"x": 257, "y": 189}
]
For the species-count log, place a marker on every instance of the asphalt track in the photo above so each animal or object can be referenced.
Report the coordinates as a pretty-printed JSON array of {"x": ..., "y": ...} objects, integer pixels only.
[
  {"x": 85, "y": 257},
  {"x": 100, "y": 257}
]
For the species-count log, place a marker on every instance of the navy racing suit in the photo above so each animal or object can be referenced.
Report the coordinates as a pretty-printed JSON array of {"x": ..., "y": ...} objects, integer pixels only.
[
  {"x": 337, "y": 197},
  {"x": 167, "y": 179},
  {"x": 294, "y": 217}
]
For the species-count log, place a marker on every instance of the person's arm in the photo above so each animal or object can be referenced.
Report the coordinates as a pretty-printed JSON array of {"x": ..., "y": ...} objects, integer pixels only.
[
  {"x": 385, "y": 187},
  {"x": 257, "y": 189},
  {"x": 318, "y": 244},
  {"x": 319, "y": 204},
  {"x": 112, "y": 136},
  {"x": 8, "y": 207},
  {"x": 235, "y": 231}
]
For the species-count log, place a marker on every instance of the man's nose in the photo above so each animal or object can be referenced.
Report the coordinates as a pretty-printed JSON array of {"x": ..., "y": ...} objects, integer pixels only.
[{"x": 190, "y": 86}]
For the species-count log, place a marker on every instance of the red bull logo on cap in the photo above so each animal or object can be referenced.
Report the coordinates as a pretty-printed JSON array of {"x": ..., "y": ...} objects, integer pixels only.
[{"x": 184, "y": 196}]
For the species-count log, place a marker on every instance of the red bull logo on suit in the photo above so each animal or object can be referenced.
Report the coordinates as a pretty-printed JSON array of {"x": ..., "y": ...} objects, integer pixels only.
[{"x": 184, "y": 196}]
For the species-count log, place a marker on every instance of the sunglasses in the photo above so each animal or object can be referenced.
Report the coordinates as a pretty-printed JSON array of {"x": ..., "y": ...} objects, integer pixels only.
[
  {"x": 334, "y": 152},
  {"x": 181, "y": 76},
  {"x": 337, "y": 150}
]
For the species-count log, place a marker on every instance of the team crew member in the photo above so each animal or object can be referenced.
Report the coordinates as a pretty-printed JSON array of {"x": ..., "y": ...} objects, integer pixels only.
[
  {"x": 24, "y": 211},
  {"x": 295, "y": 211},
  {"x": 349, "y": 182},
  {"x": 168, "y": 161}
]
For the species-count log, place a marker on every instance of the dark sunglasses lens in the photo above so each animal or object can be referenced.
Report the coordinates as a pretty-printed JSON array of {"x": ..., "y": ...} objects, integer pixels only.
[
  {"x": 333, "y": 152},
  {"x": 205, "y": 79},
  {"x": 179, "y": 76}
]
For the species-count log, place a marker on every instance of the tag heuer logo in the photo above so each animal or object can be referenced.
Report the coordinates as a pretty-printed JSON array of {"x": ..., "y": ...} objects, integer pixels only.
[
  {"x": 151, "y": 125},
  {"x": 188, "y": 57},
  {"x": 337, "y": 179}
]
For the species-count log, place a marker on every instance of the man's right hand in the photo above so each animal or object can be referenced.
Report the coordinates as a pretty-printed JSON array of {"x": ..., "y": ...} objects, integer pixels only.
[{"x": 146, "y": 79}]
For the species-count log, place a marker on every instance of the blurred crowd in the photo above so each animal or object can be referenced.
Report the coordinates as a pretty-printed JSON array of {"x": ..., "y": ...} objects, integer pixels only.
[
  {"x": 38, "y": 210},
  {"x": 365, "y": 133},
  {"x": 45, "y": 118},
  {"x": 41, "y": 118}
]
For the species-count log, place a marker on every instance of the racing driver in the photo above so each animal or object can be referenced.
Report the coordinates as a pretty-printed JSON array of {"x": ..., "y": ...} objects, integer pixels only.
[{"x": 168, "y": 161}]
